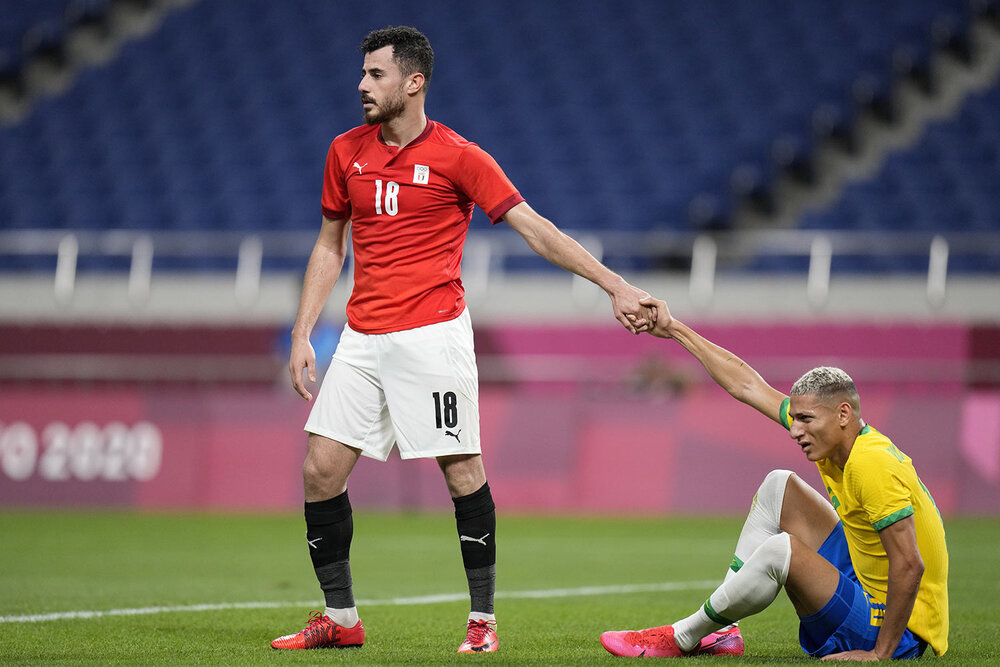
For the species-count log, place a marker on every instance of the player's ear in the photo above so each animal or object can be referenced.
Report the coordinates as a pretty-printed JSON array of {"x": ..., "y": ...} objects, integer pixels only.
[
  {"x": 415, "y": 83},
  {"x": 844, "y": 413}
]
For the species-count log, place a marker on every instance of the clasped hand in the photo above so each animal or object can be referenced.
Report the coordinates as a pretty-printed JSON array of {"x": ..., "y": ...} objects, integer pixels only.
[{"x": 631, "y": 312}]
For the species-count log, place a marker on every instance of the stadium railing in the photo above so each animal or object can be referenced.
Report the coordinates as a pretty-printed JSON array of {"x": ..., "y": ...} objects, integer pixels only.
[{"x": 492, "y": 257}]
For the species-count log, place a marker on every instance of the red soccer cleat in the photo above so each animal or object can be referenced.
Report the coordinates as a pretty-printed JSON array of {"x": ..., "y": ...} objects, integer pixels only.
[
  {"x": 322, "y": 632},
  {"x": 648, "y": 643},
  {"x": 729, "y": 642},
  {"x": 481, "y": 638}
]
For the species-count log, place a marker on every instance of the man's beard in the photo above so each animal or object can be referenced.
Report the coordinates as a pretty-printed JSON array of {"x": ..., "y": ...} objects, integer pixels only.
[{"x": 392, "y": 108}]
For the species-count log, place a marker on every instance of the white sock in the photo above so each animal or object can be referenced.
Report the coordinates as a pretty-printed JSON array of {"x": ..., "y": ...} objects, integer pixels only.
[
  {"x": 347, "y": 617},
  {"x": 763, "y": 520},
  {"x": 747, "y": 592},
  {"x": 480, "y": 616}
]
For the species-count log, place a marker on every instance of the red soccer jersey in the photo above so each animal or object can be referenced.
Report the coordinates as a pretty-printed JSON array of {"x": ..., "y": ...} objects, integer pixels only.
[{"x": 410, "y": 212}]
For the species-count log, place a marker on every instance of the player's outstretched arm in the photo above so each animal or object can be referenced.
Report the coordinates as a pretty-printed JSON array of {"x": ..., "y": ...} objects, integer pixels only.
[
  {"x": 729, "y": 371},
  {"x": 325, "y": 263},
  {"x": 548, "y": 241}
]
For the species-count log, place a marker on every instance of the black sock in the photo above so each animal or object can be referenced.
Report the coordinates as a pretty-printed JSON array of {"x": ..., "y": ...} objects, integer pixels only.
[
  {"x": 476, "y": 517},
  {"x": 329, "y": 529}
]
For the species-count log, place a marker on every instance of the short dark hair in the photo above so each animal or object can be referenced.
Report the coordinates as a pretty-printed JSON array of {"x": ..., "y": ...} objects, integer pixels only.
[{"x": 411, "y": 50}]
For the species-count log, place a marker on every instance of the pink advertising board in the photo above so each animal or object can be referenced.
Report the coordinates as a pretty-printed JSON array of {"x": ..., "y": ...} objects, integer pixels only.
[
  {"x": 551, "y": 445},
  {"x": 567, "y": 451}
]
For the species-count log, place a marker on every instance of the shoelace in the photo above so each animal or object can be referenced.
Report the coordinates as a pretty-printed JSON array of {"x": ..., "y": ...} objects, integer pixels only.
[
  {"x": 315, "y": 618},
  {"x": 650, "y": 637},
  {"x": 477, "y": 631}
]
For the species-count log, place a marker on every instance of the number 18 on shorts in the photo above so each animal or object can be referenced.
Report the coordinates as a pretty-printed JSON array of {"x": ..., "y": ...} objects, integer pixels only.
[{"x": 417, "y": 389}]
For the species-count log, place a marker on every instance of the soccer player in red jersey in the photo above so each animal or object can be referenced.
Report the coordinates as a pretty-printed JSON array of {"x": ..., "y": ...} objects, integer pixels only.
[{"x": 404, "y": 372}]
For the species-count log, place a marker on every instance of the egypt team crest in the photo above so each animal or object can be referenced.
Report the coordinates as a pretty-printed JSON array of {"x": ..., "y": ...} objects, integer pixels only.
[{"x": 421, "y": 174}]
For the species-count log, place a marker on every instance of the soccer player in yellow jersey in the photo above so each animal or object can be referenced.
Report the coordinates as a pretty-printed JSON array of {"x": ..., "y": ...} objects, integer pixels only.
[{"x": 866, "y": 571}]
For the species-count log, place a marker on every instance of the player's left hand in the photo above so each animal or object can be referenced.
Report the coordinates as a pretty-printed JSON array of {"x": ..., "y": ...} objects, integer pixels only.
[
  {"x": 660, "y": 326},
  {"x": 856, "y": 656},
  {"x": 634, "y": 316}
]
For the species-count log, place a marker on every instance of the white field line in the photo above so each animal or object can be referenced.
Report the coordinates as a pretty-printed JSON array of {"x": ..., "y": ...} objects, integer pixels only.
[{"x": 416, "y": 600}]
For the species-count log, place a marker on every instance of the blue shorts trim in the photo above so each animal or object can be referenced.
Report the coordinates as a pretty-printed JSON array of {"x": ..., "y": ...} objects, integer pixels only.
[{"x": 850, "y": 621}]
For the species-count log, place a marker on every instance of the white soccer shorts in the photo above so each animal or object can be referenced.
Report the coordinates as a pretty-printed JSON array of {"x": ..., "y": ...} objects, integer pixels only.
[{"x": 417, "y": 389}]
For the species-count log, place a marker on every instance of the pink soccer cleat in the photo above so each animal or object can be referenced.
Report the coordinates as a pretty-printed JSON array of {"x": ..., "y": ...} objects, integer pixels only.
[
  {"x": 481, "y": 638},
  {"x": 648, "y": 643},
  {"x": 728, "y": 642},
  {"x": 322, "y": 632}
]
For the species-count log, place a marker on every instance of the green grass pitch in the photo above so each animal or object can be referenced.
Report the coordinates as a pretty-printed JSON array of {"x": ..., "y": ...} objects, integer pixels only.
[{"x": 60, "y": 562}]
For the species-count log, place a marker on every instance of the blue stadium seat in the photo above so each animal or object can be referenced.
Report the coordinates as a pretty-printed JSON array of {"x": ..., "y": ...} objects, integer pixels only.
[
  {"x": 947, "y": 182},
  {"x": 605, "y": 115},
  {"x": 21, "y": 19}
]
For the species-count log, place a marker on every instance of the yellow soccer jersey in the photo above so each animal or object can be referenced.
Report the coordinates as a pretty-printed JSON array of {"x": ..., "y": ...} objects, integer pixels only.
[{"x": 877, "y": 487}]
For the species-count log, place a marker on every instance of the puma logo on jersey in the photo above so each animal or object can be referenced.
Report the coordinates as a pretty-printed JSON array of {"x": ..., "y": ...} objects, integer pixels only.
[
  {"x": 454, "y": 435},
  {"x": 359, "y": 167}
]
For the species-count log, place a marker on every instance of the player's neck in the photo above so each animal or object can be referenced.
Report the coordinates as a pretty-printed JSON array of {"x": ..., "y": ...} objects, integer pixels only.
[
  {"x": 843, "y": 451},
  {"x": 403, "y": 129},
  {"x": 840, "y": 455}
]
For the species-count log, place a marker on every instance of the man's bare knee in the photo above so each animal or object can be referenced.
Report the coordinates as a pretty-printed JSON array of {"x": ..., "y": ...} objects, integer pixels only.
[
  {"x": 313, "y": 473},
  {"x": 327, "y": 466},
  {"x": 464, "y": 473}
]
